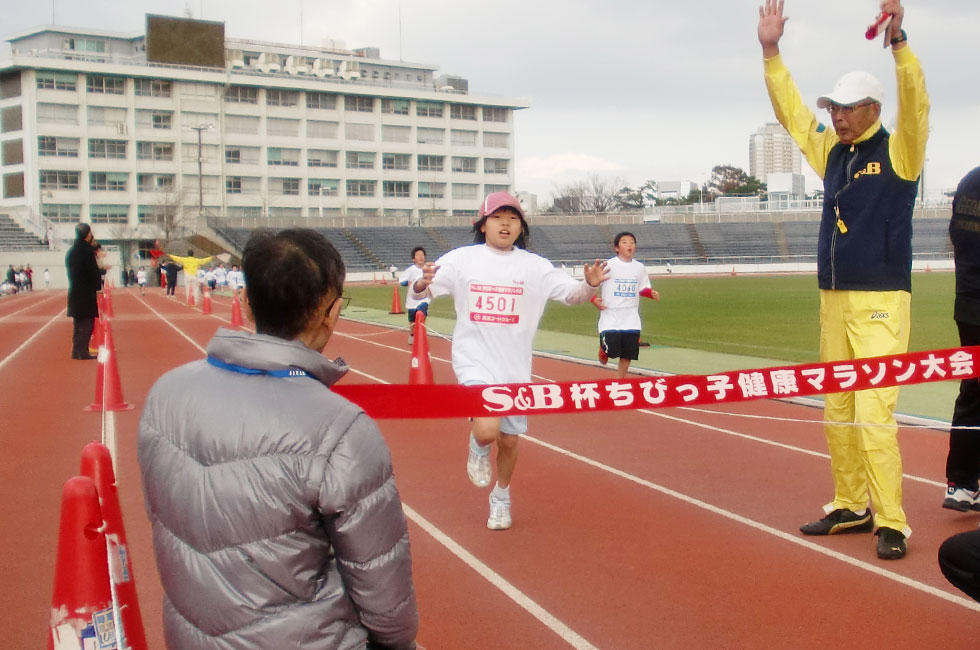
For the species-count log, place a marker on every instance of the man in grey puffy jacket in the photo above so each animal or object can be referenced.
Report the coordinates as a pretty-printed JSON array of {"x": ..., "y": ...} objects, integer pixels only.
[{"x": 276, "y": 519}]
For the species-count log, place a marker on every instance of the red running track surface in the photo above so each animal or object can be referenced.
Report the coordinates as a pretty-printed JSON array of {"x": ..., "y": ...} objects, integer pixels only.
[{"x": 672, "y": 528}]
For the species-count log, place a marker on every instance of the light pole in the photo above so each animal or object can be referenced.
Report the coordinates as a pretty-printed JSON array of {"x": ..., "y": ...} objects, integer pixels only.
[{"x": 200, "y": 168}]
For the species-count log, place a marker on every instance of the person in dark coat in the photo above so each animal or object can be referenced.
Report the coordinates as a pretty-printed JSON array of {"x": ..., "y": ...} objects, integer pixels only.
[
  {"x": 171, "y": 268},
  {"x": 84, "y": 280}
]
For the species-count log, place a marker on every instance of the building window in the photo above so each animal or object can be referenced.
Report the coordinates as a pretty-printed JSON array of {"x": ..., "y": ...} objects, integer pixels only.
[
  {"x": 61, "y": 212},
  {"x": 154, "y": 151},
  {"x": 290, "y": 186},
  {"x": 242, "y": 95},
  {"x": 491, "y": 114},
  {"x": 321, "y": 101},
  {"x": 493, "y": 140},
  {"x": 360, "y": 132},
  {"x": 399, "y": 161},
  {"x": 54, "y": 146},
  {"x": 431, "y": 163},
  {"x": 154, "y": 182},
  {"x": 56, "y": 113},
  {"x": 360, "y": 160},
  {"x": 360, "y": 188},
  {"x": 243, "y": 124},
  {"x": 275, "y": 97},
  {"x": 429, "y": 109},
  {"x": 13, "y": 185},
  {"x": 462, "y": 112},
  {"x": 397, "y": 189},
  {"x": 84, "y": 45},
  {"x": 464, "y": 165},
  {"x": 59, "y": 180},
  {"x": 233, "y": 185},
  {"x": 463, "y": 138},
  {"x": 233, "y": 156},
  {"x": 279, "y": 156},
  {"x": 152, "y": 87},
  {"x": 50, "y": 80},
  {"x": 13, "y": 152},
  {"x": 495, "y": 165},
  {"x": 466, "y": 191},
  {"x": 107, "y": 116},
  {"x": 490, "y": 189},
  {"x": 359, "y": 104},
  {"x": 98, "y": 148},
  {"x": 321, "y": 158},
  {"x": 431, "y": 190},
  {"x": 319, "y": 129},
  {"x": 107, "y": 181},
  {"x": 280, "y": 126},
  {"x": 96, "y": 83},
  {"x": 391, "y": 133},
  {"x": 109, "y": 213},
  {"x": 395, "y": 106},
  {"x": 430, "y": 136},
  {"x": 322, "y": 187}
]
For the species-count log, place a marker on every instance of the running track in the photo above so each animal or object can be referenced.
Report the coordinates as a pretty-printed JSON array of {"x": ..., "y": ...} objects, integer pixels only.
[{"x": 667, "y": 528}]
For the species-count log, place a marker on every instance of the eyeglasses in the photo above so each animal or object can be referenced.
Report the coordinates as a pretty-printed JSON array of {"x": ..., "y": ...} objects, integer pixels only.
[
  {"x": 343, "y": 305},
  {"x": 833, "y": 109}
]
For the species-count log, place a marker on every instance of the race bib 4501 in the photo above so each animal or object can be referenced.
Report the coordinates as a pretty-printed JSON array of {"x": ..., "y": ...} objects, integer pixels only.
[{"x": 493, "y": 304}]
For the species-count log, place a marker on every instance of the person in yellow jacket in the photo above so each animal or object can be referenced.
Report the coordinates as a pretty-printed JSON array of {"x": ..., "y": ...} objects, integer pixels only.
[
  {"x": 191, "y": 264},
  {"x": 864, "y": 264}
]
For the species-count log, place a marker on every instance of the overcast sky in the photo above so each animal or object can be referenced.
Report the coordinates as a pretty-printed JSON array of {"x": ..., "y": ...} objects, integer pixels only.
[{"x": 637, "y": 89}]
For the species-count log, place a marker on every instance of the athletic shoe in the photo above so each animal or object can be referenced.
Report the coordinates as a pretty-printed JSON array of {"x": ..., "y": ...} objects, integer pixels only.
[
  {"x": 839, "y": 521},
  {"x": 961, "y": 499},
  {"x": 499, "y": 514},
  {"x": 478, "y": 465},
  {"x": 603, "y": 357},
  {"x": 411, "y": 339},
  {"x": 891, "y": 544}
]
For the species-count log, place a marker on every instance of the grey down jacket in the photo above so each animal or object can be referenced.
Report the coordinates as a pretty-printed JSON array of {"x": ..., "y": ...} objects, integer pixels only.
[{"x": 276, "y": 520}]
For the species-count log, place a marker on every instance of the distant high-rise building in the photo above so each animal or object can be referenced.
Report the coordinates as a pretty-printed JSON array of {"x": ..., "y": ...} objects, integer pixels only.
[
  {"x": 771, "y": 149},
  {"x": 126, "y": 131}
]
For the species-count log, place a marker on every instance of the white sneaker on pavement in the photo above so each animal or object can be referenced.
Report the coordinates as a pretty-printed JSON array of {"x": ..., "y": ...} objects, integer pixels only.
[
  {"x": 478, "y": 465},
  {"x": 499, "y": 514},
  {"x": 960, "y": 499}
]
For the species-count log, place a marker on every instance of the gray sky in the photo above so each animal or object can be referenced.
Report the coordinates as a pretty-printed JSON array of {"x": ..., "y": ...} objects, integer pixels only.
[{"x": 622, "y": 88}]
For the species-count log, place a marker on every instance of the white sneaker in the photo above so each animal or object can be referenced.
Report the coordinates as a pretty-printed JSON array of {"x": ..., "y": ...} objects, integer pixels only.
[
  {"x": 960, "y": 499},
  {"x": 478, "y": 465},
  {"x": 411, "y": 339},
  {"x": 499, "y": 514}
]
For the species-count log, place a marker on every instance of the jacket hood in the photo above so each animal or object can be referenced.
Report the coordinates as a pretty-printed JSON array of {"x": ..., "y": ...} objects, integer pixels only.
[{"x": 264, "y": 352}]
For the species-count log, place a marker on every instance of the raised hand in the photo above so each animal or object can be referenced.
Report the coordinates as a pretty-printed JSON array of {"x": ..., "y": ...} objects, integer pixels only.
[{"x": 771, "y": 23}]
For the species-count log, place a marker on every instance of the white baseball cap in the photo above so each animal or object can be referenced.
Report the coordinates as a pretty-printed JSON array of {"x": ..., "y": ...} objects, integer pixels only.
[{"x": 853, "y": 88}]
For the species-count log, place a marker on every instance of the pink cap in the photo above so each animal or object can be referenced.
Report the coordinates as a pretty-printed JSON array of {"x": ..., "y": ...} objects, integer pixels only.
[{"x": 498, "y": 200}]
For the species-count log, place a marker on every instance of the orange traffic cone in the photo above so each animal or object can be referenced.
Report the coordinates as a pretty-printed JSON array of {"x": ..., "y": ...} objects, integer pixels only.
[
  {"x": 420, "y": 372},
  {"x": 190, "y": 299},
  {"x": 236, "y": 312},
  {"x": 108, "y": 391},
  {"x": 396, "y": 303},
  {"x": 98, "y": 336},
  {"x": 206, "y": 304},
  {"x": 733, "y": 271},
  {"x": 81, "y": 605},
  {"x": 107, "y": 302},
  {"x": 97, "y": 465}
]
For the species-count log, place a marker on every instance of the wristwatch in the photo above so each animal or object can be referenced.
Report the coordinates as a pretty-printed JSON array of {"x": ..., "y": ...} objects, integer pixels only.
[{"x": 901, "y": 38}]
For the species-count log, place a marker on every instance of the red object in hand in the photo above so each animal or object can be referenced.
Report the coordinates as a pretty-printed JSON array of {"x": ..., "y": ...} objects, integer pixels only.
[
  {"x": 879, "y": 22},
  {"x": 647, "y": 293}
]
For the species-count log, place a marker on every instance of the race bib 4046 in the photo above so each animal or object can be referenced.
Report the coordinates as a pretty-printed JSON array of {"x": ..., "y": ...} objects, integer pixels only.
[{"x": 493, "y": 304}]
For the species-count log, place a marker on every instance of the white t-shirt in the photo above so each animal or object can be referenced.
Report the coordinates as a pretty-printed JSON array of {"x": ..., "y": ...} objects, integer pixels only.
[
  {"x": 234, "y": 279},
  {"x": 620, "y": 295},
  {"x": 499, "y": 298},
  {"x": 141, "y": 276},
  {"x": 408, "y": 278}
]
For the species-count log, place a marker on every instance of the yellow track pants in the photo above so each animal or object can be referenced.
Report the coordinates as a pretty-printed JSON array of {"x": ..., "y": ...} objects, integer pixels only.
[{"x": 864, "y": 454}]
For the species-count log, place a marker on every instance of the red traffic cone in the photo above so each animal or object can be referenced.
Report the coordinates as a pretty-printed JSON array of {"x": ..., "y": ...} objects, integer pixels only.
[
  {"x": 396, "y": 303},
  {"x": 733, "y": 271},
  {"x": 206, "y": 304},
  {"x": 81, "y": 605},
  {"x": 98, "y": 336},
  {"x": 107, "y": 302},
  {"x": 420, "y": 372},
  {"x": 97, "y": 465},
  {"x": 236, "y": 312},
  {"x": 190, "y": 299},
  {"x": 108, "y": 391}
]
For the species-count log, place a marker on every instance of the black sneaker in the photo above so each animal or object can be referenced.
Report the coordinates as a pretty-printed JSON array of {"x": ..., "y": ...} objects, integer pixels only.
[
  {"x": 891, "y": 544},
  {"x": 840, "y": 521}
]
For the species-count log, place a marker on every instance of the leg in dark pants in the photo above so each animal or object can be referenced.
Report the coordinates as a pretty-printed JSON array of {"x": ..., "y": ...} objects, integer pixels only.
[
  {"x": 963, "y": 461},
  {"x": 80, "y": 337},
  {"x": 959, "y": 560}
]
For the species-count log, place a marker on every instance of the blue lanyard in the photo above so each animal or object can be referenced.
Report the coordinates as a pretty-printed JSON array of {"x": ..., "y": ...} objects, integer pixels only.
[{"x": 286, "y": 372}]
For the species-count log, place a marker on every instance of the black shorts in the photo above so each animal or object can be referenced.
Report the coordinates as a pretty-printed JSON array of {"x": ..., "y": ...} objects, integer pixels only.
[
  {"x": 621, "y": 344},
  {"x": 423, "y": 307}
]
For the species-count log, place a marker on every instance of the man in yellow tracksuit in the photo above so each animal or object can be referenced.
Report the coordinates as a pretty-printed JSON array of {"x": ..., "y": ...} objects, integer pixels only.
[
  {"x": 864, "y": 263},
  {"x": 191, "y": 264}
]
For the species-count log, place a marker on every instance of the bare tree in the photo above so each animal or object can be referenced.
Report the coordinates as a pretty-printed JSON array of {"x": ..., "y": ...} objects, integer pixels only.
[
  {"x": 604, "y": 193},
  {"x": 170, "y": 220},
  {"x": 570, "y": 198}
]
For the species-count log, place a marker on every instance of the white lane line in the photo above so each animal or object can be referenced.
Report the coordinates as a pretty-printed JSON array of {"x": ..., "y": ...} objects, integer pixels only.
[
  {"x": 566, "y": 633},
  {"x": 30, "y": 306},
  {"x": 31, "y": 339},
  {"x": 871, "y": 568}
]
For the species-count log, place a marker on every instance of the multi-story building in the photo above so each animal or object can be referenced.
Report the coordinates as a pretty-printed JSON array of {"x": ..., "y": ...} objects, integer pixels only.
[
  {"x": 771, "y": 149},
  {"x": 132, "y": 133}
]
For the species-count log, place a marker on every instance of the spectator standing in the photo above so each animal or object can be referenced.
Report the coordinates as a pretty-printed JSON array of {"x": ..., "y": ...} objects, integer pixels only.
[
  {"x": 317, "y": 553},
  {"x": 84, "y": 282},
  {"x": 864, "y": 263}
]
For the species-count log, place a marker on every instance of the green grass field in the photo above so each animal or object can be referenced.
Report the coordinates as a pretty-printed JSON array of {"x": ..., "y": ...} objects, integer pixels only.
[{"x": 765, "y": 316}]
